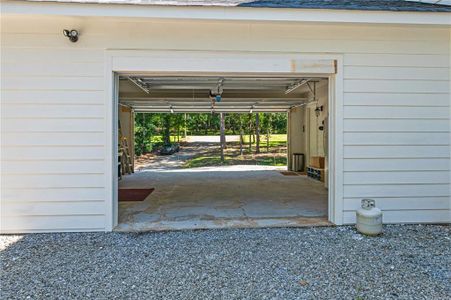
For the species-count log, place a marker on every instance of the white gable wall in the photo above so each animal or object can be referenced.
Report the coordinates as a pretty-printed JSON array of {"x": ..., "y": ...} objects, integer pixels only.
[{"x": 396, "y": 114}]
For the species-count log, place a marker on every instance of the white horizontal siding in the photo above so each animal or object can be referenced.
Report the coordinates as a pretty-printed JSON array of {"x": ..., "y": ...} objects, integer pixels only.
[
  {"x": 38, "y": 97},
  {"x": 92, "y": 83},
  {"x": 396, "y": 113},
  {"x": 49, "y": 223},
  {"x": 405, "y": 151},
  {"x": 396, "y": 189},
  {"x": 87, "y": 138},
  {"x": 396, "y": 73},
  {"x": 394, "y": 99},
  {"x": 53, "y": 153},
  {"x": 395, "y": 164},
  {"x": 396, "y": 86},
  {"x": 243, "y": 40},
  {"x": 60, "y": 110},
  {"x": 433, "y": 216},
  {"x": 396, "y": 138},
  {"x": 54, "y": 194},
  {"x": 397, "y": 135},
  {"x": 54, "y": 208},
  {"x": 56, "y": 167},
  {"x": 56, "y": 125},
  {"x": 388, "y": 124},
  {"x": 53, "y": 138},
  {"x": 392, "y": 177},
  {"x": 42, "y": 181},
  {"x": 403, "y": 203},
  {"x": 383, "y": 59}
]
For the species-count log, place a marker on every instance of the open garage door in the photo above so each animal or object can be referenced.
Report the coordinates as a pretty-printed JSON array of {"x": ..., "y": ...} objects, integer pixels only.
[
  {"x": 214, "y": 94},
  {"x": 178, "y": 194}
]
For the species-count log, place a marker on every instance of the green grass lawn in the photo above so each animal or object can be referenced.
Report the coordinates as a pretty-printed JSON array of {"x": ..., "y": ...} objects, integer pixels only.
[
  {"x": 274, "y": 139},
  {"x": 276, "y": 156},
  {"x": 215, "y": 160},
  {"x": 158, "y": 139}
]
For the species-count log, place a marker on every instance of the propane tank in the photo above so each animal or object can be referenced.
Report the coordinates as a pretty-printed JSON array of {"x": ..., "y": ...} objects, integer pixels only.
[{"x": 369, "y": 218}]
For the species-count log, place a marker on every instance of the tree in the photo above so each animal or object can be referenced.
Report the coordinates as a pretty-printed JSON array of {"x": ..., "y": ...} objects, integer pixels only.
[
  {"x": 167, "y": 129},
  {"x": 222, "y": 136},
  {"x": 145, "y": 128},
  {"x": 257, "y": 133},
  {"x": 250, "y": 131}
]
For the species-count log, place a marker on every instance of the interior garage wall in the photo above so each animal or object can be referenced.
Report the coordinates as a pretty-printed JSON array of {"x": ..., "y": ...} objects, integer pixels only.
[
  {"x": 127, "y": 120},
  {"x": 53, "y": 118},
  {"x": 304, "y": 133}
]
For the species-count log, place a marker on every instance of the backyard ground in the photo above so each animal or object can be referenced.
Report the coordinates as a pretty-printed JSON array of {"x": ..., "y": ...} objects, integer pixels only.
[
  {"x": 205, "y": 151},
  {"x": 406, "y": 262}
]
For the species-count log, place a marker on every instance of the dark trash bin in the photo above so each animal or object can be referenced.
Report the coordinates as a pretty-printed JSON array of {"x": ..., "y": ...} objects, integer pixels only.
[{"x": 297, "y": 163}]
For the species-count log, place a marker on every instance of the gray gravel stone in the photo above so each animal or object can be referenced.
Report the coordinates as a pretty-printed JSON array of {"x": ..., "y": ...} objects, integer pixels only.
[{"x": 406, "y": 262}]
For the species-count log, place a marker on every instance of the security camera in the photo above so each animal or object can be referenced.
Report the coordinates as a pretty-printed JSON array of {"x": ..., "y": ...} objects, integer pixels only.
[{"x": 72, "y": 35}]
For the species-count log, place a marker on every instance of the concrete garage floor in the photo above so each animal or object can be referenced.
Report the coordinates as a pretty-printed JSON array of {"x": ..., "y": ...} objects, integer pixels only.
[{"x": 222, "y": 197}]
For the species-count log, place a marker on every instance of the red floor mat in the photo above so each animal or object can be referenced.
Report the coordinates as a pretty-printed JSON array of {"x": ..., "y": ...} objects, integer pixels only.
[{"x": 134, "y": 194}]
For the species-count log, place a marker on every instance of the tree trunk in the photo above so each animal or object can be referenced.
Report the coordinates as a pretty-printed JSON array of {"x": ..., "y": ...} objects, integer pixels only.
[
  {"x": 257, "y": 133},
  {"x": 185, "y": 129},
  {"x": 267, "y": 139},
  {"x": 241, "y": 141},
  {"x": 167, "y": 130},
  {"x": 268, "y": 132},
  {"x": 250, "y": 133},
  {"x": 178, "y": 133},
  {"x": 222, "y": 137},
  {"x": 143, "y": 145}
]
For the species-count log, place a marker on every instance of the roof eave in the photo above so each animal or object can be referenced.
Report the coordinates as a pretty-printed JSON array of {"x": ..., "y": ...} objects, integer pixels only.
[{"x": 225, "y": 13}]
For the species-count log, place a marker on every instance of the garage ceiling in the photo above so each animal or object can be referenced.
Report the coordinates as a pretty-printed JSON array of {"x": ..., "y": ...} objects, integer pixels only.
[{"x": 198, "y": 94}]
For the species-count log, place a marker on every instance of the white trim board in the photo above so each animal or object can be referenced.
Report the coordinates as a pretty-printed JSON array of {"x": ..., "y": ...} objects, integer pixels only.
[
  {"x": 225, "y": 13},
  {"x": 187, "y": 62}
]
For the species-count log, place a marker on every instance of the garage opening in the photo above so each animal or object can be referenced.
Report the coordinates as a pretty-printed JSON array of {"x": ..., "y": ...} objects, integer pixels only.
[{"x": 200, "y": 152}]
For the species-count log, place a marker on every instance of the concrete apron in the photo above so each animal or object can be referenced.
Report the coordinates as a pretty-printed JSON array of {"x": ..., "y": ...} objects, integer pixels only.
[{"x": 222, "y": 197}]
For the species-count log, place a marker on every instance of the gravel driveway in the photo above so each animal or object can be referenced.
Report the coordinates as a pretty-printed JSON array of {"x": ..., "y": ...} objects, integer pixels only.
[{"x": 410, "y": 261}]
